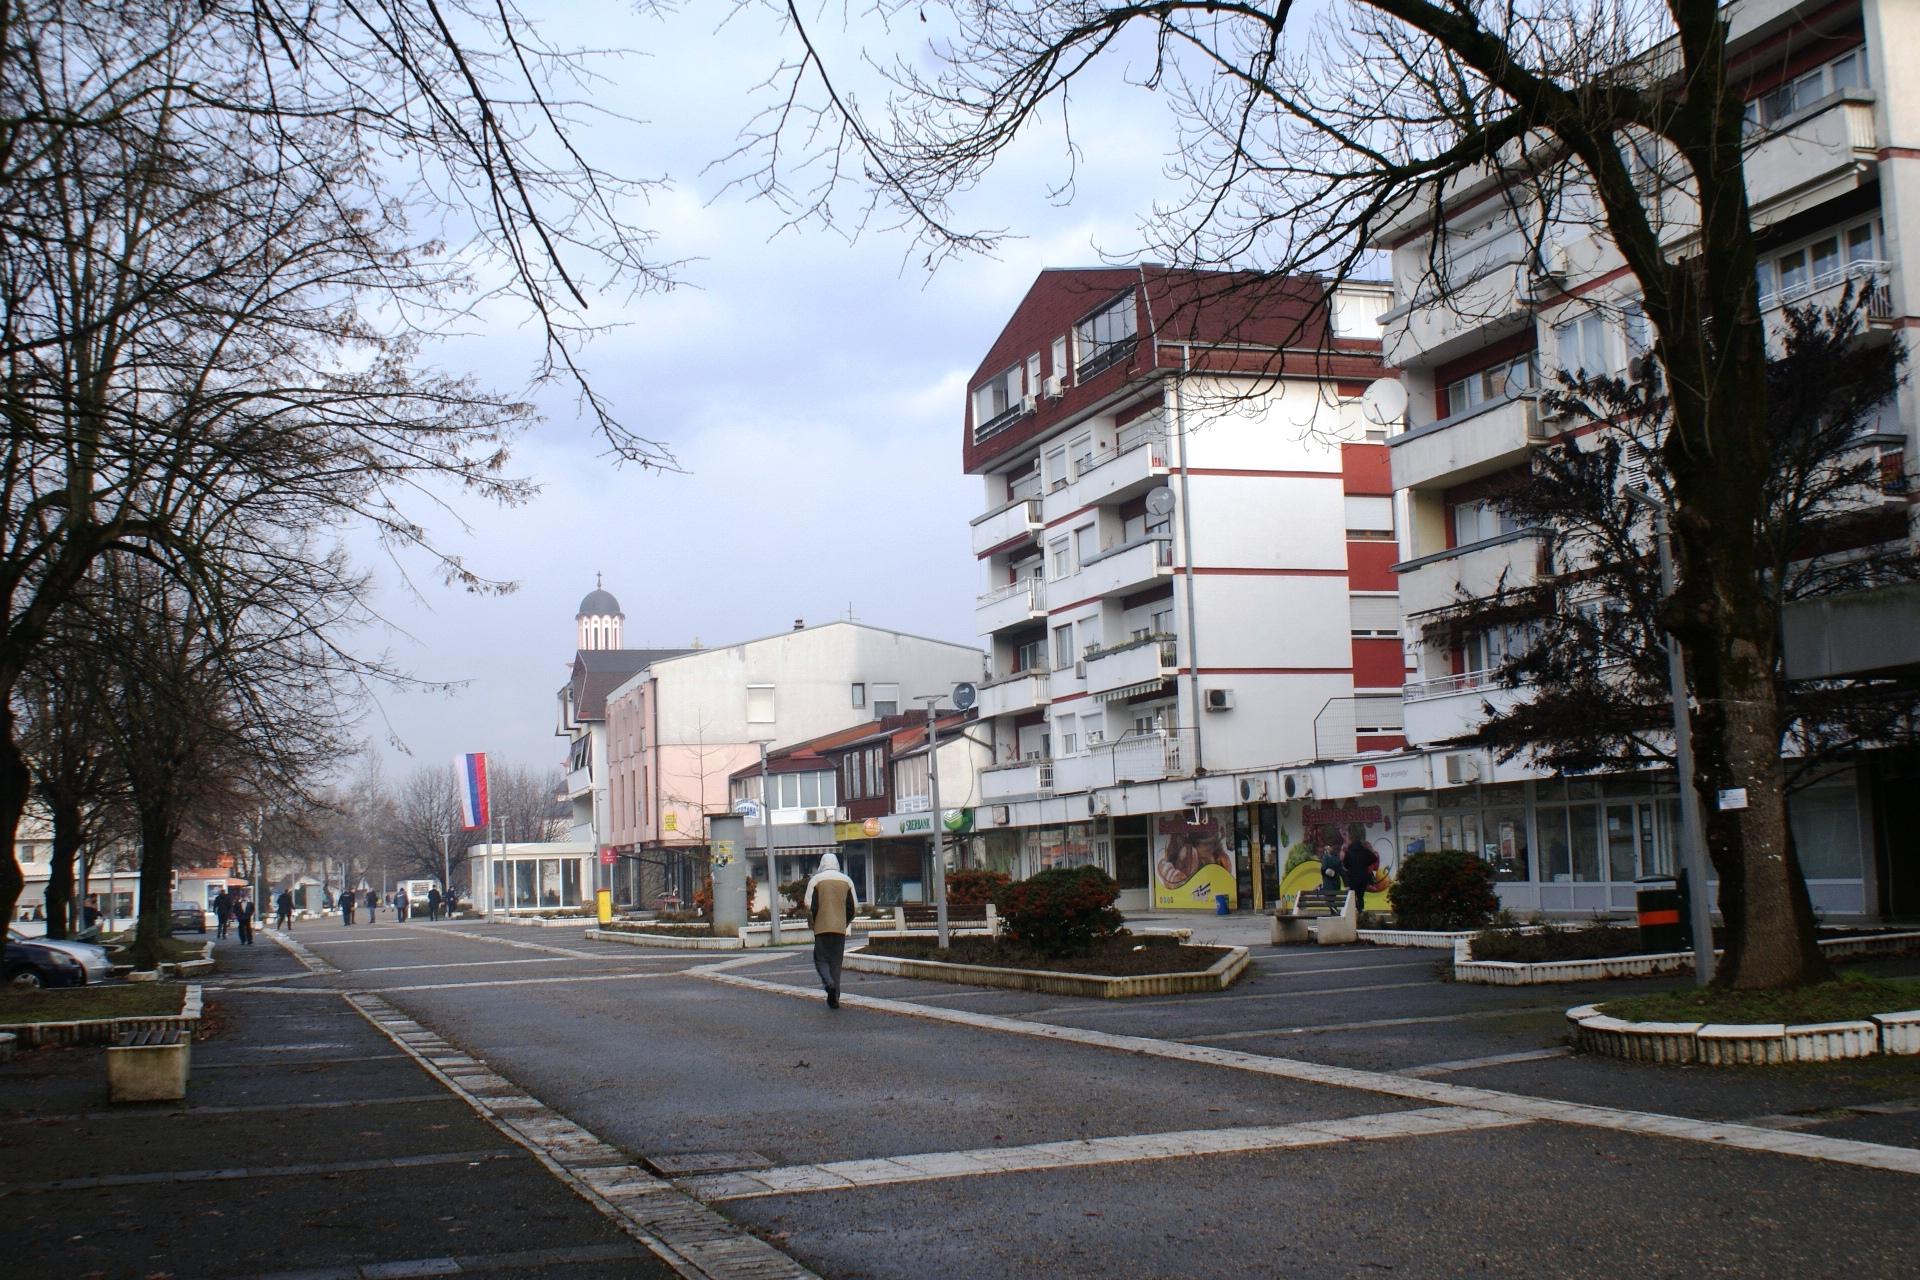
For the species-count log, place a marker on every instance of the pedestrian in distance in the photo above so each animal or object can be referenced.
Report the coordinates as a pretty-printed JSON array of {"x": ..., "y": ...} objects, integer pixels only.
[
  {"x": 283, "y": 907},
  {"x": 373, "y": 904},
  {"x": 400, "y": 905},
  {"x": 346, "y": 906},
  {"x": 243, "y": 918},
  {"x": 433, "y": 903},
  {"x": 222, "y": 911},
  {"x": 1360, "y": 863},
  {"x": 1331, "y": 872},
  {"x": 831, "y": 901}
]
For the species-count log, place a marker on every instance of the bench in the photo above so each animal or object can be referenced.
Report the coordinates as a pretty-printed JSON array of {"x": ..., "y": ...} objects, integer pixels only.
[
  {"x": 1292, "y": 915},
  {"x": 924, "y": 915},
  {"x": 149, "y": 1065}
]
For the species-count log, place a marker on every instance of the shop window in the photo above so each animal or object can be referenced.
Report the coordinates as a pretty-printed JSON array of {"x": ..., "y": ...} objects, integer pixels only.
[{"x": 1826, "y": 832}]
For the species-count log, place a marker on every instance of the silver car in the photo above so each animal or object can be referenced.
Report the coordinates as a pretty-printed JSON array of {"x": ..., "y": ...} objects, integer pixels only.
[{"x": 91, "y": 955}]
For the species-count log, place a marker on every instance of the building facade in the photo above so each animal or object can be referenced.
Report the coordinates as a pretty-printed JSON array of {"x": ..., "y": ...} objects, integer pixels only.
[{"x": 1186, "y": 537}]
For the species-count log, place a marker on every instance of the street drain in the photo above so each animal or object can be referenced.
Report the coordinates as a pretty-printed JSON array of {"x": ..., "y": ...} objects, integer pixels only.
[{"x": 681, "y": 1164}]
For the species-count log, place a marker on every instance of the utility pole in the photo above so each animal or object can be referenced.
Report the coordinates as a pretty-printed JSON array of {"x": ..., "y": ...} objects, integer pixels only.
[
  {"x": 939, "y": 824},
  {"x": 766, "y": 838}
]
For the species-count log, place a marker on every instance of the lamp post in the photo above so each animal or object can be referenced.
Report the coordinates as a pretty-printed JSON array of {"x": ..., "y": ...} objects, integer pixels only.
[
  {"x": 766, "y": 838},
  {"x": 1692, "y": 828},
  {"x": 939, "y": 823}
]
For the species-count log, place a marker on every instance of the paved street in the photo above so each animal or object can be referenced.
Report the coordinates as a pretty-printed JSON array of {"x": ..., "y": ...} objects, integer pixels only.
[{"x": 1339, "y": 1112}]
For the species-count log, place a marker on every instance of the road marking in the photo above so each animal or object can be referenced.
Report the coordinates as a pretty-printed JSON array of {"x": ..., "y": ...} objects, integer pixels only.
[
  {"x": 473, "y": 964},
  {"x": 1714, "y": 1133},
  {"x": 468, "y": 1264},
  {"x": 1257, "y": 1033},
  {"x": 298, "y": 1062},
  {"x": 1140, "y": 1006},
  {"x": 269, "y": 1171},
  {"x": 1433, "y": 1069},
  {"x": 693, "y": 1239},
  {"x": 523, "y": 945},
  {"x": 484, "y": 983},
  {"x": 144, "y": 1113},
  {"x": 846, "y": 1175}
]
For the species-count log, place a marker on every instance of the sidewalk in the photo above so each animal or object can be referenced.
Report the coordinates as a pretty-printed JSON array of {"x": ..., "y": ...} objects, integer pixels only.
[{"x": 309, "y": 1145}]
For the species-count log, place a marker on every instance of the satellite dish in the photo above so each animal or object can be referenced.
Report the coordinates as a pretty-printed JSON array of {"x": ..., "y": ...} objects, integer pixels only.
[
  {"x": 964, "y": 696},
  {"x": 1384, "y": 402},
  {"x": 1160, "y": 501}
]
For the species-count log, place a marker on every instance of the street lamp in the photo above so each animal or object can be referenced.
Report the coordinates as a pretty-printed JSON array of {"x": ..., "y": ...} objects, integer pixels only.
[
  {"x": 963, "y": 696},
  {"x": 1692, "y": 829},
  {"x": 766, "y": 838}
]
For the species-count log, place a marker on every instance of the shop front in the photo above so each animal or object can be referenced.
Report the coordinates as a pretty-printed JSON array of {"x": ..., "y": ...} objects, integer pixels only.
[{"x": 531, "y": 877}]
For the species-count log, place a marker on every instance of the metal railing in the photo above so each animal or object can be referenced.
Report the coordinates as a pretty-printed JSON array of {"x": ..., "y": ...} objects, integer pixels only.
[
  {"x": 1168, "y": 656},
  {"x": 1034, "y": 589},
  {"x": 1445, "y": 686},
  {"x": 1160, "y": 753}
]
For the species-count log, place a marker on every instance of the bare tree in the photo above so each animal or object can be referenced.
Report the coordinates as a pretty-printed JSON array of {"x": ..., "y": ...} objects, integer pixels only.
[{"x": 1304, "y": 145}]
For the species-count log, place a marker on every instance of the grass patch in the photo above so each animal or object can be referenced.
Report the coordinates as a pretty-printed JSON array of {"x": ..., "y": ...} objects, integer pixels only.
[
  {"x": 1122, "y": 957},
  {"x": 70, "y": 1004},
  {"x": 1849, "y": 998},
  {"x": 1590, "y": 942},
  {"x": 172, "y": 950}
]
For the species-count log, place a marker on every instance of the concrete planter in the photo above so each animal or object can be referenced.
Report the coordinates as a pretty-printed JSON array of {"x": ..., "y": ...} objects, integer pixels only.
[
  {"x": 1508, "y": 973},
  {"x": 1743, "y": 1044},
  {"x": 754, "y": 935},
  {"x": 1216, "y": 977},
  {"x": 107, "y": 1030}
]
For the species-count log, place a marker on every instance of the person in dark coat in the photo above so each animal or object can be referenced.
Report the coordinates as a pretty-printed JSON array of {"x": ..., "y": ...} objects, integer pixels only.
[
  {"x": 222, "y": 911},
  {"x": 433, "y": 903},
  {"x": 346, "y": 906},
  {"x": 371, "y": 901},
  {"x": 283, "y": 906},
  {"x": 1331, "y": 872},
  {"x": 400, "y": 905},
  {"x": 243, "y": 916},
  {"x": 1359, "y": 862}
]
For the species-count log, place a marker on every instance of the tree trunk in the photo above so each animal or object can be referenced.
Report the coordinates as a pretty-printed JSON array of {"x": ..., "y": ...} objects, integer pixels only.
[
  {"x": 156, "y": 889},
  {"x": 15, "y": 782},
  {"x": 67, "y": 828}
]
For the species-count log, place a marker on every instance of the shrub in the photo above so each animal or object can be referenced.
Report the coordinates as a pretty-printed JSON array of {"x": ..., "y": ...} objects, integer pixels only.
[
  {"x": 1443, "y": 889},
  {"x": 1061, "y": 912},
  {"x": 794, "y": 891},
  {"x": 703, "y": 896},
  {"x": 975, "y": 887},
  {"x": 1301, "y": 852}
]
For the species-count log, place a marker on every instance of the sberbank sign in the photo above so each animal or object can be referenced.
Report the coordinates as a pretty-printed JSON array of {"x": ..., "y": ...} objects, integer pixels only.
[{"x": 910, "y": 825}]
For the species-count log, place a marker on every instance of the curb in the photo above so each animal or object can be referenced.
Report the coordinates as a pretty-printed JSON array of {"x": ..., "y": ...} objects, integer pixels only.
[
  {"x": 1744, "y": 1044},
  {"x": 1217, "y": 977},
  {"x": 1514, "y": 973},
  {"x": 81, "y": 1031}
]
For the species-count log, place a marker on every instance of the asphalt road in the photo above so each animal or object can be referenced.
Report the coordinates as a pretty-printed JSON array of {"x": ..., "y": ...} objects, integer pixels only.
[{"x": 1339, "y": 1112}]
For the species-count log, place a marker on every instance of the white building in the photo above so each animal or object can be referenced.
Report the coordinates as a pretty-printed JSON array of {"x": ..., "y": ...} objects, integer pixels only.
[{"x": 1186, "y": 534}]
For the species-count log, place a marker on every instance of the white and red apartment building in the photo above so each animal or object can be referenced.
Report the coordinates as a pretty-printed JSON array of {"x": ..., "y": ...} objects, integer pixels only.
[
  {"x": 1186, "y": 535},
  {"x": 1834, "y": 181}
]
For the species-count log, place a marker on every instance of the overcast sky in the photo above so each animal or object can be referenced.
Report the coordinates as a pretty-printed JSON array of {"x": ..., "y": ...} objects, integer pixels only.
[{"x": 812, "y": 389}]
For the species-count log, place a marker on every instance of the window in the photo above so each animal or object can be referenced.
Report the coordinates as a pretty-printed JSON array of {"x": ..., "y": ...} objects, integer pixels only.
[
  {"x": 1161, "y": 623},
  {"x": 1823, "y": 262},
  {"x": 1059, "y": 354},
  {"x": 1033, "y": 374},
  {"x": 859, "y": 694},
  {"x": 886, "y": 700},
  {"x": 1086, "y": 542},
  {"x": 1848, "y": 71},
  {"x": 1508, "y": 378},
  {"x": 1583, "y": 346},
  {"x": 1063, "y": 647},
  {"x": 1024, "y": 483},
  {"x": 1059, "y": 559},
  {"x": 1057, "y": 468},
  {"x": 1375, "y": 615},
  {"x": 1105, "y": 337},
  {"x": 1069, "y": 743},
  {"x": 1031, "y": 656},
  {"x": 1478, "y": 521},
  {"x": 996, "y": 396},
  {"x": 759, "y": 704},
  {"x": 876, "y": 772},
  {"x": 1093, "y": 730},
  {"x": 1491, "y": 649},
  {"x": 1082, "y": 450},
  {"x": 1369, "y": 514}
]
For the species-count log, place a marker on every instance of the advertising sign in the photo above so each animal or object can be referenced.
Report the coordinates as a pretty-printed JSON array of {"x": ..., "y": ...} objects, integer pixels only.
[{"x": 1191, "y": 866}]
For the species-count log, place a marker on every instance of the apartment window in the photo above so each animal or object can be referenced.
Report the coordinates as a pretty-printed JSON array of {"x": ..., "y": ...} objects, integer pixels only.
[
  {"x": 1374, "y": 615},
  {"x": 1105, "y": 337},
  {"x": 1033, "y": 374},
  {"x": 1478, "y": 521},
  {"x": 996, "y": 396},
  {"x": 1508, "y": 378},
  {"x": 1086, "y": 542},
  {"x": 859, "y": 694},
  {"x": 1025, "y": 483},
  {"x": 1848, "y": 71},
  {"x": 1069, "y": 743},
  {"x": 1057, "y": 468},
  {"x": 1491, "y": 649},
  {"x": 1828, "y": 259},
  {"x": 1082, "y": 450},
  {"x": 1147, "y": 723},
  {"x": 1161, "y": 623},
  {"x": 1582, "y": 344},
  {"x": 1369, "y": 514},
  {"x": 759, "y": 704},
  {"x": 1063, "y": 647},
  {"x": 886, "y": 700},
  {"x": 1059, "y": 558},
  {"x": 1031, "y": 656},
  {"x": 1093, "y": 730},
  {"x": 876, "y": 772},
  {"x": 1059, "y": 354}
]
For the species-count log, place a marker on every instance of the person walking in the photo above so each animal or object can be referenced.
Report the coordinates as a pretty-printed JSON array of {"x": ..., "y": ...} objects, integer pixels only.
[
  {"x": 400, "y": 905},
  {"x": 1359, "y": 863},
  {"x": 222, "y": 911},
  {"x": 372, "y": 900},
  {"x": 346, "y": 906},
  {"x": 433, "y": 902},
  {"x": 243, "y": 917},
  {"x": 283, "y": 907},
  {"x": 1331, "y": 872},
  {"x": 831, "y": 901}
]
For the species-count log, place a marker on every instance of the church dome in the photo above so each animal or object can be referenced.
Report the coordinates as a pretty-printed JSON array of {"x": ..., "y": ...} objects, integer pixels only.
[{"x": 599, "y": 603}]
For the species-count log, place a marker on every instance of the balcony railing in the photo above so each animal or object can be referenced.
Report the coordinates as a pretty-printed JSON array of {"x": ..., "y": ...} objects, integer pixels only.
[
  {"x": 1145, "y": 661},
  {"x": 1137, "y": 757},
  {"x": 1127, "y": 566},
  {"x": 1021, "y": 691},
  {"x": 1001, "y": 421},
  {"x": 1105, "y": 358},
  {"x": 1871, "y": 278},
  {"x": 1016, "y": 779},
  {"x": 1019, "y": 518},
  {"x": 1446, "y": 686}
]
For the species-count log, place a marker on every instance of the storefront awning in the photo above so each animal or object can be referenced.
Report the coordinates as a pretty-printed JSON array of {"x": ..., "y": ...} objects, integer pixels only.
[{"x": 1128, "y": 691}]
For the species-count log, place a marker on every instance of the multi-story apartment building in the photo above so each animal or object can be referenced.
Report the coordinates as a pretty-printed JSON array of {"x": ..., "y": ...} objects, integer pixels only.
[
  {"x": 1489, "y": 307},
  {"x": 1186, "y": 533},
  {"x": 681, "y": 725}
]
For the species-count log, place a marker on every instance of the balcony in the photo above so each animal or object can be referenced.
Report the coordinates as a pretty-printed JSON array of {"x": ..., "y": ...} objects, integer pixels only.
[
  {"x": 1487, "y": 438},
  {"x": 1018, "y": 519},
  {"x": 579, "y": 782},
  {"x": 1010, "y": 695},
  {"x": 1010, "y": 606},
  {"x": 1490, "y": 304},
  {"x": 1136, "y": 463},
  {"x": 1138, "y": 666},
  {"x": 1127, "y": 567},
  {"x": 1138, "y": 757},
  {"x": 1869, "y": 278},
  {"x": 1003, "y": 420},
  {"x": 1478, "y": 569},
  {"x": 1819, "y": 152},
  {"x": 1021, "y": 780},
  {"x": 1444, "y": 709}
]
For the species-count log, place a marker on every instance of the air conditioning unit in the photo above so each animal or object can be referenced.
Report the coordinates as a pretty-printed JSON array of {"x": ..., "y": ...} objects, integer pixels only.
[
  {"x": 1463, "y": 767},
  {"x": 1080, "y": 668},
  {"x": 1096, "y": 806},
  {"x": 820, "y": 815},
  {"x": 840, "y": 813},
  {"x": 1028, "y": 404},
  {"x": 1252, "y": 789},
  {"x": 1053, "y": 387},
  {"x": 1298, "y": 785},
  {"x": 1218, "y": 699},
  {"x": 1002, "y": 814}
]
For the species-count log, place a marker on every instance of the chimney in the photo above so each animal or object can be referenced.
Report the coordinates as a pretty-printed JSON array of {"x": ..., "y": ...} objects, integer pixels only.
[{"x": 799, "y": 624}]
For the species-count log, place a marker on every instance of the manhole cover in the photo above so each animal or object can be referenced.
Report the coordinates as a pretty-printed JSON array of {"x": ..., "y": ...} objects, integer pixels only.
[{"x": 686, "y": 1162}]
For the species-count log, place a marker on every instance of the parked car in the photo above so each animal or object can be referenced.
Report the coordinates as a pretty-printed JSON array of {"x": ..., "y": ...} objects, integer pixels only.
[
  {"x": 35, "y": 964},
  {"x": 189, "y": 916},
  {"x": 91, "y": 955}
]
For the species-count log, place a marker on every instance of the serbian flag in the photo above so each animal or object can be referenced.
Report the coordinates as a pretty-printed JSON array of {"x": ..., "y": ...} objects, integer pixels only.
[{"x": 470, "y": 772}]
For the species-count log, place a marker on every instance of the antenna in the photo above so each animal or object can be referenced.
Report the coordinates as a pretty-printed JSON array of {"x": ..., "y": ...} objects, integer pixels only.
[{"x": 1384, "y": 402}]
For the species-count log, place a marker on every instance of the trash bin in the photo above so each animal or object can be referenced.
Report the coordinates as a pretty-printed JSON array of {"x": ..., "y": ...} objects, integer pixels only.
[
  {"x": 1658, "y": 904},
  {"x": 1220, "y": 904}
]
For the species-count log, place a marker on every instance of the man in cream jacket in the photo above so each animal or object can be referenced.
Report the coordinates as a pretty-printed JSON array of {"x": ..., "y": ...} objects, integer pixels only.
[{"x": 831, "y": 902}]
